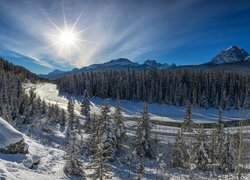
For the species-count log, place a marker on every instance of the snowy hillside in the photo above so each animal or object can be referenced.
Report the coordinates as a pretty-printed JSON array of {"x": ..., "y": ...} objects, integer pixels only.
[
  {"x": 160, "y": 112},
  {"x": 8, "y": 134},
  {"x": 17, "y": 166},
  {"x": 46, "y": 157},
  {"x": 114, "y": 65},
  {"x": 20, "y": 166}
]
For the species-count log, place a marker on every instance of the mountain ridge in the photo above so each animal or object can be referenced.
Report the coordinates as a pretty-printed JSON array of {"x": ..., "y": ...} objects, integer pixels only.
[
  {"x": 227, "y": 58},
  {"x": 114, "y": 64}
]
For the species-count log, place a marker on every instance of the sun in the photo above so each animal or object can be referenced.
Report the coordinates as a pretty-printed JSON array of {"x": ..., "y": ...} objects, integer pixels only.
[{"x": 68, "y": 38}]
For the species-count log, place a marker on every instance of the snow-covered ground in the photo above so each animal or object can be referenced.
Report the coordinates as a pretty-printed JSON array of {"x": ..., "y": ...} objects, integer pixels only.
[
  {"x": 12, "y": 166},
  {"x": 8, "y": 134},
  {"x": 16, "y": 166},
  {"x": 161, "y": 112}
]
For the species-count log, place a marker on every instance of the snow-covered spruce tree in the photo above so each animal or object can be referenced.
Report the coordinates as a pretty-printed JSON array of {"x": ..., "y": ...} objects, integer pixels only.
[
  {"x": 85, "y": 104},
  {"x": 63, "y": 117},
  {"x": 188, "y": 123},
  {"x": 32, "y": 97},
  {"x": 119, "y": 127},
  {"x": 212, "y": 143},
  {"x": 199, "y": 152},
  {"x": 73, "y": 165},
  {"x": 105, "y": 126},
  {"x": 228, "y": 155},
  {"x": 219, "y": 137},
  {"x": 223, "y": 101},
  {"x": 94, "y": 120},
  {"x": 56, "y": 115},
  {"x": 99, "y": 161},
  {"x": 71, "y": 118},
  {"x": 43, "y": 107},
  {"x": 107, "y": 131},
  {"x": 143, "y": 131},
  {"x": 85, "y": 109},
  {"x": 179, "y": 156},
  {"x": 38, "y": 106}
]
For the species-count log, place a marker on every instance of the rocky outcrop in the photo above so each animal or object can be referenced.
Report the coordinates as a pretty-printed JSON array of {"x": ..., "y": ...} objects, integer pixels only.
[
  {"x": 19, "y": 147},
  {"x": 11, "y": 140}
]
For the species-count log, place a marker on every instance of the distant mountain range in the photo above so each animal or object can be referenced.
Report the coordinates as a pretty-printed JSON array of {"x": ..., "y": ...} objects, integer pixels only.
[
  {"x": 233, "y": 58},
  {"x": 115, "y": 65}
]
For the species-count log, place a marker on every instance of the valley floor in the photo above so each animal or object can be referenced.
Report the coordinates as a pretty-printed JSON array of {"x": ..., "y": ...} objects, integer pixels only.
[
  {"x": 52, "y": 154},
  {"x": 160, "y": 112}
]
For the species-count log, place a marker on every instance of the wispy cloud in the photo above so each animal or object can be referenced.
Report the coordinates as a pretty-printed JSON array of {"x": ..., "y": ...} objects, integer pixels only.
[{"x": 111, "y": 29}]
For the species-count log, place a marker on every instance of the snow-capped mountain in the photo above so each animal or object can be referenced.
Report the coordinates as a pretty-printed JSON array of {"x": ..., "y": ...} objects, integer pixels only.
[
  {"x": 155, "y": 64},
  {"x": 120, "y": 62},
  {"x": 56, "y": 72},
  {"x": 222, "y": 61},
  {"x": 230, "y": 55}
]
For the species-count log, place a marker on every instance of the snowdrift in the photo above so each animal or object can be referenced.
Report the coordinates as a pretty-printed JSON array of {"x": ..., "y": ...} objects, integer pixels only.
[{"x": 11, "y": 140}]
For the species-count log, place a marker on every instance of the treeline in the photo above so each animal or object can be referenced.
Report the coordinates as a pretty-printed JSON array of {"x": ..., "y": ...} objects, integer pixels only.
[
  {"x": 18, "y": 71},
  {"x": 15, "y": 105},
  {"x": 215, "y": 150},
  {"x": 193, "y": 150},
  {"x": 106, "y": 141},
  {"x": 175, "y": 87}
]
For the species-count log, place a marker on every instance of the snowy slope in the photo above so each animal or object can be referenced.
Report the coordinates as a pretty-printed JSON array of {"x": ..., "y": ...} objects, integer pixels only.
[
  {"x": 18, "y": 166},
  {"x": 8, "y": 134},
  {"x": 161, "y": 112},
  {"x": 12, "y": 166}
]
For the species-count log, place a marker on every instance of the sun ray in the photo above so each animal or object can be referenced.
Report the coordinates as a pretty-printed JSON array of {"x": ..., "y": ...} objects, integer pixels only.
[
  {"x": 76, "y": 22},
  {"x": 67, "y": 39}
]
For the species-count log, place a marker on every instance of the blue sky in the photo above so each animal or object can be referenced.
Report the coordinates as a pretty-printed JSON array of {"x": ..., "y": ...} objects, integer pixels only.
[{"x": 169, "y": 31}]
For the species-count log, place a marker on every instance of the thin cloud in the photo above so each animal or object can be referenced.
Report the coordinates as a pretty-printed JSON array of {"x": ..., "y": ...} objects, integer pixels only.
[{"x": 113, "y": 29}]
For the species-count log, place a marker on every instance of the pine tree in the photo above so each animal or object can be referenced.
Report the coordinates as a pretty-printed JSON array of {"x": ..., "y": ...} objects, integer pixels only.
[
  {"x": 219, "y": 133},
  {"x": 199, "y": 152},
  {"x": 109, "y": 137},
  {"x": 228, "y": 156},
  {"x": 143, "y": 131},
  {"x": 32, "y": 97},
  {"x": 71, "y": 118},
  {"x": 85, "y": 105},
  {"x": 56, "y": 114},
  {"x": 188, "y": 123},
  {"x": 99, "y": 161},
  {"x": 213, "y": 146},
  {"x": 63, "y": 117},
  {"x": 119, "y": 127},
  {"x": 43, "y": 107},
  {"x": 73, "y": 164},
  {"x": 179, "y": 156}
]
